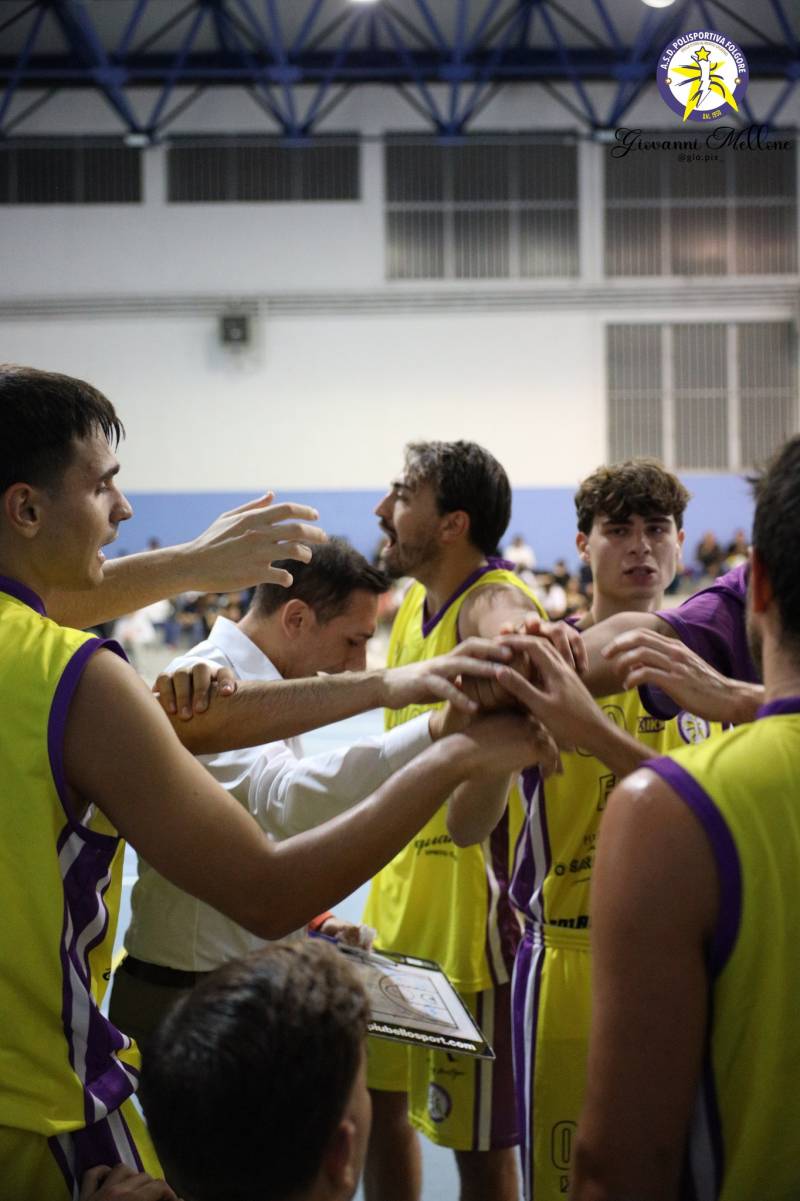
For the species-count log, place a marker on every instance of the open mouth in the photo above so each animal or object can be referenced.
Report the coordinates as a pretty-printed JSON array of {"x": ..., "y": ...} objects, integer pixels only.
[{"x": 640, "y": 575}]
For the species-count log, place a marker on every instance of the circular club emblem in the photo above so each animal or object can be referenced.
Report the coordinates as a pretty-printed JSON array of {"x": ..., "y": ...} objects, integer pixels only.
[
  {"x": 439, "y": 1103},
  {"x": 702, "y": 76},
  {"x": 692, "y": 728}
]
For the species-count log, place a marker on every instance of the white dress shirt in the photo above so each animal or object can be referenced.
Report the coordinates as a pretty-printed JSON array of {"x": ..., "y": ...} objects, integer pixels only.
[{"x": 285, "y": 793}]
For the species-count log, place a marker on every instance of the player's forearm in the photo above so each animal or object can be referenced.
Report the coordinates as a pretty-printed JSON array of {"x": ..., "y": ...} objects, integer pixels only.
[
  {"x": 600, "y": 676},
  {"x": 474, "y": 809},
  {"x": 271, "y": 710},
  {"x": 315, "y": 871},
  {"x": 128, "y": 584},
  {"x": 620, "y": 752}
]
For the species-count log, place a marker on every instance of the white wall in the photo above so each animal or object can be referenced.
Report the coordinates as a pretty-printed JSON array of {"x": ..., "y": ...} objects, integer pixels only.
[{"x": 325, "y": 399}]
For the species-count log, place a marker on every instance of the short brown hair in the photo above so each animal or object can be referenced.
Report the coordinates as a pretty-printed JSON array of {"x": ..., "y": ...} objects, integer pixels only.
[
  {"x": 638, "y": 486},
  {"x": 246, "y": 1077},
  {"x": 43, "y": 414},
  {"x": 326, "y": 583}
]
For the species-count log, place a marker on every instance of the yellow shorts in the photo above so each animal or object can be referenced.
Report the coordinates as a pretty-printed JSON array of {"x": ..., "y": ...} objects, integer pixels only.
[
  {"x": 552, "y": 1005},
  {"x": 36, "y": 1168},
  {"x": 456, "y": 1100}
]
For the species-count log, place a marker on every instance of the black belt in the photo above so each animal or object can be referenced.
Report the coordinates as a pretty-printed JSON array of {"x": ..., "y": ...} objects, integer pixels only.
[{"x": 156, "y": 973}]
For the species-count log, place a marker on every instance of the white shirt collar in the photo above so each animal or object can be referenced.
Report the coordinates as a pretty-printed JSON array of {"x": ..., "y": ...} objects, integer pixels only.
[{"x": 248, "y": 660}]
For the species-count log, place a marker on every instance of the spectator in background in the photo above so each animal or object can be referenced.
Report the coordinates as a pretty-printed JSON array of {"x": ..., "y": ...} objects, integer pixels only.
[
  {"x": 520, "y": 553},
  {"x": 738, "y": 551},
  {"x": 560, "y": 573},
  {"x": 709, "y": 555}
]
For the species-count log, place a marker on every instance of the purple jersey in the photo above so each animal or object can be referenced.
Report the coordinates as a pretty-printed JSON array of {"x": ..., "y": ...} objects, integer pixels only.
[{"x": 712, "y": 624}]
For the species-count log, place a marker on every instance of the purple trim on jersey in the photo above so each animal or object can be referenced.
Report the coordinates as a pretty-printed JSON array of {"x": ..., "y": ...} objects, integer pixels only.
[
  {"x": 22, "y": 592},
  {"x": 708, "y": 1095},
  {"x": 57, "y": 723},
  {"x": 507, "y": 924},
  {"x": 527, "y": 885},
  {"x": 491, "y": 564},
  {"x": 724, "y": 850},
  {"x": 519, "y": 983},
  {"x": 85, "y": 860},
  {"x": 782, "y": 704},
  {"x": 103, "y": 1143}
]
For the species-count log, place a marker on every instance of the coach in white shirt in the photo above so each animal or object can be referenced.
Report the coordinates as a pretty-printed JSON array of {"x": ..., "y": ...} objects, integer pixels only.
[{"x": 322, "y": 623}]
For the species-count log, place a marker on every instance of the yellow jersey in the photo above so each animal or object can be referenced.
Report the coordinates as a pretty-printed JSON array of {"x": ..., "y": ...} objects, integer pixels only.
[
  {"x": 435, "y": 899},
  {"x": 63, "y": 1066},
  {"x": 744, "y": 790}
]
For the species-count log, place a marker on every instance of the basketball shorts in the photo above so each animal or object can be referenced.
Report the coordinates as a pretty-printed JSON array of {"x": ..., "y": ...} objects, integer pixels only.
[
  {"x": 457, "y": 1101},
  {"x": 551, "y": 1007}
]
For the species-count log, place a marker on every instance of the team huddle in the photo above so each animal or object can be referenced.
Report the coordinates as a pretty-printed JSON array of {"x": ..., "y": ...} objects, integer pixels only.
[{"x": 592, "y": 825}]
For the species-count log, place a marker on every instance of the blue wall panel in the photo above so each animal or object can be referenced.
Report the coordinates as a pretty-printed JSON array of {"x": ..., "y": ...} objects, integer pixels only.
[{"x": 545, "y": 516}]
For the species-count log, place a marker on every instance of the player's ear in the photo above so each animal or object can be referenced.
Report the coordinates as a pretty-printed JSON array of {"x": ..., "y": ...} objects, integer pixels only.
[
  {"x": 582, "y": 543},
  {"x": 760, "y": 587},
  {"x": 23, "y": 509},
  {"x": 454, "y": 525},
  {"x": 296, "y": 617},
  {"x": 339, "y": 1161}
]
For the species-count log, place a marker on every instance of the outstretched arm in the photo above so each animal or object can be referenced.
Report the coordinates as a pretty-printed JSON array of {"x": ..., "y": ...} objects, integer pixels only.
[
  {"x": 234, "y": 552},
  {"x": 650, "y": 923},
  {"x": 121, "y": 754},
  {"x": 643, "y": 657},
  {"x": 276, "y": 709}
]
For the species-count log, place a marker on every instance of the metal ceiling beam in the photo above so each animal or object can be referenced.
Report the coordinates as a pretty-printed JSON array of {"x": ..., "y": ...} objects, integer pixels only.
[{"x": 404, "y": 49}]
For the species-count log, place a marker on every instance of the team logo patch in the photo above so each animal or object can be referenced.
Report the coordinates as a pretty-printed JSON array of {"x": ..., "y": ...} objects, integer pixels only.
[
  {"x": 440, "y": 1103},
  {"x": 692, "y": 728},
  {"x": 702, "y": 76}
]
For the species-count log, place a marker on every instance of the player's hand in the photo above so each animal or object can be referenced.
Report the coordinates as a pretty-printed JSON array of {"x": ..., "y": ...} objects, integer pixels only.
[
  {"x": 114, "y": 1184},
  {"x": 505, "y": 743},
  {"x": 644, "y": 657},
  {"x": 555, "y": 695},
  {"x": 188, "y": 690},
  {"x": 433, "y": 680},
  {"x": 237, "y": 549},
  {"x": 562, "y": 636},
  {"x": 347, "y": 932}
]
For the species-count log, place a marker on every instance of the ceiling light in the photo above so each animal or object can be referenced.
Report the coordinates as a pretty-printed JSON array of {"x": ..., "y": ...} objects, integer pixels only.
[{"x": 658, "y": 3}]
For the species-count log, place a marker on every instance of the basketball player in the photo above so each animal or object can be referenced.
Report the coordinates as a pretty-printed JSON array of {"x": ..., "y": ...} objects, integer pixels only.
[
  {"x": 87, "y": 756},
  {"x": 630, "y": 533},
  {"x": 692, "y": 1085},
  {"x": 443, "y": 518}
]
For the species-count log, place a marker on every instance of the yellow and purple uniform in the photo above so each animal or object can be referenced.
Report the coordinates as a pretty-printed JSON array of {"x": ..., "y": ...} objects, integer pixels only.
[
  {"x": 551, "y": 988},
  {"x": 743, "y": 790},
  {"x": 451, "y": 904},
  {"x": 66, "y": 1074}
]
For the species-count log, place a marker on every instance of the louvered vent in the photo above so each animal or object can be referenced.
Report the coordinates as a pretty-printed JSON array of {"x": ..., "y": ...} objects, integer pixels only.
[
  {"x": 489, "y": 208},
  {"x": 733, "y": 215},
  {"x": 220, "y": 169},
  {"x": 69, "y": 171},
  {"x": 705, "y": 397}
]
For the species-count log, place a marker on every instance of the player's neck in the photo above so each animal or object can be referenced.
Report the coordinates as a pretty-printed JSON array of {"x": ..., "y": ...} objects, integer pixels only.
[
  {"x": 442, "y": 578},
  {"x": 781, "y": 670},
  {"x": 25, "y": 573},
  {"x": 604, "y": 607}
]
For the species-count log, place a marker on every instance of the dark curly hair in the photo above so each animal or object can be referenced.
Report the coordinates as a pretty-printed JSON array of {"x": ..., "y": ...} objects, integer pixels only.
[
  {"x": 464, "y": 476},
  {"x": 775, "y": 527},
  {"x": 637, "y": 486}
]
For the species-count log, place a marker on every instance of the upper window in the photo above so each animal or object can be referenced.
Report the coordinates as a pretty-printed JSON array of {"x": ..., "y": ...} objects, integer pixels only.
[
  {"x": 218, "y": 169},
  {"x": 486, "y": 208},
  {"x": 69, "y": 171},
  {"x": 733, "y": 215}
]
